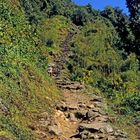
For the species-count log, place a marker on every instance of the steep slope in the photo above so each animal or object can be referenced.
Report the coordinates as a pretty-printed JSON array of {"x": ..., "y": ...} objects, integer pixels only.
[
  {"x": 81, "y": 116},
  {"x": 78, "y": 115},
  {"x": 26, "y": 90},
  {"x": 82, "y": 44}
]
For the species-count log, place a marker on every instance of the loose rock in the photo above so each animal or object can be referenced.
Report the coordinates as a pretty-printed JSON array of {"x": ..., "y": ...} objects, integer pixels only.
[{"x": 54, "y": 130}]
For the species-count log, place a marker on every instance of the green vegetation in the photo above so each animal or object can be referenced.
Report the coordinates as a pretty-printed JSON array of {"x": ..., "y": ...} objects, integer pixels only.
[
  {"x": 121, "y": 23},
  {"x": 133, "y": 7},
  {"x": 97, "y": 62},
  {"x": 25, "y": 87},
  {"x": 105, "y": 55}
]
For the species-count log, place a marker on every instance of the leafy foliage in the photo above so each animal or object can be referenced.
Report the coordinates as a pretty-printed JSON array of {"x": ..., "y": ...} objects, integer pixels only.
[
  {"x": 133, "y": 102},
  {"x": 96, "y": 61},
  {"x": 25, "y": 88},
  {"x": 133, "y": 7},
  {"x": 121, "y": 23}
]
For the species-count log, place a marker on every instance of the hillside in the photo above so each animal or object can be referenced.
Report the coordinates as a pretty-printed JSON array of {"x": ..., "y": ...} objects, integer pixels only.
[{"x": 95, "y": 65}]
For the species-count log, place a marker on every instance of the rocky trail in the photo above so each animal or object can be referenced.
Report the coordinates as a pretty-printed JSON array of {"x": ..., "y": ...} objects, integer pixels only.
[
  {"x": 79, "y": 115},
  {"x": 61, "y": 59}
]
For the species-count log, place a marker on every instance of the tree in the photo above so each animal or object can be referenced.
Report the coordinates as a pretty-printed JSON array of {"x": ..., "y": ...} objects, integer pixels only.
[
  {"x": 122, "y": 24},
  {"x": 79, "y": 17},
  {"x": 134, "y": 9}
]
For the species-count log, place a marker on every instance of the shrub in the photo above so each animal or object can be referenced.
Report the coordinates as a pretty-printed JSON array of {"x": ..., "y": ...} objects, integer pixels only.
[{"x": 132, "y": 102}]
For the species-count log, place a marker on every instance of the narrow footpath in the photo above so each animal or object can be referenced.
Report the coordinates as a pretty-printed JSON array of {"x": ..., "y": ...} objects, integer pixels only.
[{"x": 79, "y": 115}]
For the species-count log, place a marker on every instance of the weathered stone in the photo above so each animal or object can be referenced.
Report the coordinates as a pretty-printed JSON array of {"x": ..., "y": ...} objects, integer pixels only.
[
  {"x": 32, "y": 127},
  {"x": 84, "y": 135},
  {"x": 3, "y": 107},
  {"x": 80, "y": 114},
  {"x": 43, "y": 116},
  {"x": 75, "y": 139},
  {"x": 102, "y": 119},
  {"x": 55, "y": 130},
  {"x": 89, "y": 127},
  {"x": 44, "y": 123},
  {"x": 76, "y": 136},
  {"x": 98, "y": 104},
  {"x": 120, "y": 134},
  {"x": 61, "y": 106},
  {"x": 111, "y": 138},
  {"x": 96, "y": 126},
  {"x": 97, "y": 99},
  {"x": 72, "y": 107},
  {"x": 102, "y": 112},
  {"x": 123, "y": 139},
  {"x": 82, "y": 105},
  {"x": 90, "y": 115},
  {"x": 108, "y": 128},
  {"x": 96, "y": 109},
  {"x": 72, "y": 117},
  {"x": 138, "y": 124},
  {"x": 42, "y": 135},
  {"x": 62, "y": 138},
  {"x": 71, "y": 86},
  {"x": 94, "y": 136},
  {"x": 59, "y": 113},
  {"x": 91, "y": 106}
]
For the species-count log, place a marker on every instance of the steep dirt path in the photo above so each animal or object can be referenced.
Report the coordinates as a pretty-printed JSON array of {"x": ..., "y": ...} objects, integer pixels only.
[
  {"x": 78, "y": 116},
  {"x": 61, "y": 59}
]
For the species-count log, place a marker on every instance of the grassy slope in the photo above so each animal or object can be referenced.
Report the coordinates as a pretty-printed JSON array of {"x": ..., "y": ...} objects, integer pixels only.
[
  {"x": 25, "y": 87},
  {"x": 98, "y": 63}
]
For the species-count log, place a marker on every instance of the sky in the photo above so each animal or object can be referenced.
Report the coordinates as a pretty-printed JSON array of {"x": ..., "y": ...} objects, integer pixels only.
[{"x": 101, "y": 4}]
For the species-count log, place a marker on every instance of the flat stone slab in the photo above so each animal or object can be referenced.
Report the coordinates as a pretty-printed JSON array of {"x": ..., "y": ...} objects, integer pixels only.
[
  {"x": 96, "y": 98},
  {"x": 97, "y": 126}
]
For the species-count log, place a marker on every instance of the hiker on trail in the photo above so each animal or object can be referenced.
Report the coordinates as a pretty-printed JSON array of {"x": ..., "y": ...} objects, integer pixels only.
[{"x": 50, "y": 69}]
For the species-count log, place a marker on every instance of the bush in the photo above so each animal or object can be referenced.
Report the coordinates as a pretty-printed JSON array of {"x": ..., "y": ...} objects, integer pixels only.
[
  {"x": 132, "y": 102},
  {"x": 49, "y": 42}
]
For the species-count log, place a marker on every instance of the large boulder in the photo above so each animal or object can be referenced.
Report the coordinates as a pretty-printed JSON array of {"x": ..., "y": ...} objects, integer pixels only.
[
  {"x": 90, "y": 115},
  {"x": 96, "y": 127}
]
